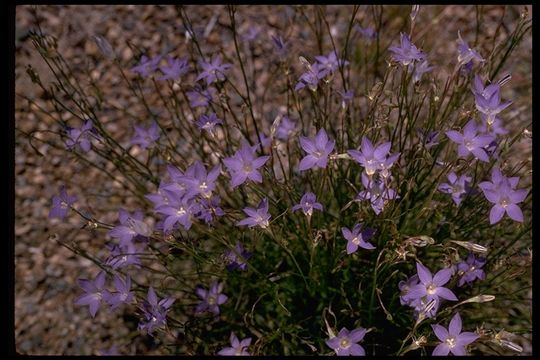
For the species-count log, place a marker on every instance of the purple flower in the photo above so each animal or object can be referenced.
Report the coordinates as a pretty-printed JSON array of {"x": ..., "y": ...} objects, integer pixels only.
[
  {"x": 285, "y": 129},
  {"x": 501, "y": 192},
  {"x": 457, "y": 187},
  {"x": 345, "y": 343},
  {"x": 488, "y": 99},
  {"x": 452, "y": 340},
  {"x": 93, "y": 292},
  {"x": 197, "y": 181},
  {"x": 366, "y": 32},
  {"x": 123, "y": 256},
  {"x": 256, "y": 217},
  {"x": 213, "y": 71},
  {"x": 377, "y": 192},
  {"x": 279, "y": 45},
  {"x": 481, "y": 91},
  {"x": 491, "y": 126},
  {"x": 471, "y": 269},
  {"x": 146, "y": 66},
  {"x": 174, "y": 69},
  {"x": 330, "y": 63},
  {"x": 210, "y": 299},
  {"x": 80, "y": 137},
  {"x": 373, "y": 158},
  {"x": 131, "y": 226},
  {"x": 406, "y": 53},
  {"x": 112, "y": 351},
  {"x": 243, "y": 165},
  {"x": 404, "y": 287},
  {"x": 429, "y": 139},
  {"x": 154, "y": 311},
  {"x": 199, "y": 97},
  {"x": 145, "y": 137},
  {"x": 346, "y": 97},
  {"x": 470, "y": 142},
  {"x": 420, "y": 69},
  {"x": 237, "y": 259},
  {"x": 311, "y": 77},
  {"x": 465, "y": 54},
  {"x": 122, "y": 295},
  {"x": 61, "y": 204},
  {"x": 251, "y": 33},
  {"x": 180, "y": 210},
  {"x": 358, "y": 237},
  {"x": 237, "y": 347},
  {"x": 431, "y": 286},
  {"x": 210, "y": 209},
  {"x": 318, "y": 149},
  {"x": 307, "y": 204},
  {"x": 208, "y": 122}
]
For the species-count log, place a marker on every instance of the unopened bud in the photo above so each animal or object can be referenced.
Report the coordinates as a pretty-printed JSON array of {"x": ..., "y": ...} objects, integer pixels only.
[
  {"x": 104, "y": 46},
  {"x": 471, "y": 246},
  {"x": 414, "y": 11},
  {"x": 510, "y": 345},
  {"x": 479, "y": 299},
  {"x": 420, "y": 241}
]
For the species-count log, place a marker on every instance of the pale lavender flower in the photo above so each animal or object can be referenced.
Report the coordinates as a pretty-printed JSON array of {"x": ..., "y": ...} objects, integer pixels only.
[
  {"x": 199, "y": 97},
  {"x": 502, "y": 193},
  {"x": 61, "y": 204},
  {"x": 452, "y": 340},
  {"x": 406, "y": 53},
  {"x": 346, "y": 342},
  {"x": 311, "y": 77},
  {"x": 256, "y": 217},
  {"x": 376, "y": 192},
  {"x": 197, "y": 181},
  {"x": 209, "y": 209},
  {"x": 123, "y": 293},
  {"x": 80, "y": 137},
  {"x": 154, "y": 311},
  {"x": 243, "y": 165},
  {"x": 179, "y": 210},
  {"x": 367, "y": 32},
  {"x": 307, "y": 204},
  {"x": 174, "y": 69},
  {"x": 210, "y": 299},
  {"x": 404, "y": 287},
  {"x": 330, "y": 63},
  {"x": 280, "y": 45},
  {"x": 93, "y": 292},
  {"x": 145, "y": 137},
  {"x": 123, "y": 256},
  {"x": 466, "y": 55},
  {"x": 491, "y": 107},
  {"x": 237, "y": 259},
  {"x": 346, "y": 97},
  {"x": 471, "y": 269},
  {"x": 358, "y": 237},
  {"x": 458, "y": 187},
  {"x": 213, "y": 71},
  {"x": 208, "y": 122},
  {"x": 374, "y": 158},
  {"x": 130, "y": 226},
  {"x": 146, "y": 66},
  {"x": 431, "y": 286},
  {"x": 471, "y": 142},
  {"x": 491, "y": 126},
  {"x": 420, "y": 69},
  {"x": 318, "y": 149},
  {"x": 285, "y": 129},
  {"x": 237, "y": 347},
  {"x": 481, "y": 91}
]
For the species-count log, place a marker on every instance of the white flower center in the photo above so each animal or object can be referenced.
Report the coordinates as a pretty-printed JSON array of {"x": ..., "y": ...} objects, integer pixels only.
[
  {"x": 211, "y": 300},
  {"x": 504, "y": 202},
  {"x": 181, "y": 211},
  {"x": 430, "y": 289},
  {"x": 469, "y": 144},
  {"x": 248, "y": 168},
  {"x": 344, "y": 343},
  {"x": 63, "y": 205},
  {"x": 355, "y": 240},
  {"x": 451, "y": 342}
]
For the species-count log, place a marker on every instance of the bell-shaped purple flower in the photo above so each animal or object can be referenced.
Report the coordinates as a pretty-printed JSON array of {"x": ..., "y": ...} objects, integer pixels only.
[
  {"x": 452, "y": 340},
  {"x": 346, "y": 342},
  {"x": 307, "y": 204},
  {"x": 318, "y": 149},
  {"x": 358, "y": 237}
]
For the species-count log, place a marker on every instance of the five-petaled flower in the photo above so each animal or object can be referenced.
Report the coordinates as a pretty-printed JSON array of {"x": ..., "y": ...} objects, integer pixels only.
[
  {"x": 213, "y": 71},
  {"x": 123, "y": 293},
  {"x": 154, "y": 311},
  {"x": 357, "y": 237},
  {"x": 452, "y": 340},
  {"x": 502, "y": 193},
  {"x": 431, "y": 286},
  {"x": 174, "y": 69},
  {"x": 318, "y": 149},
  {"x": 130, "y": 226},
  {"x": 256, "y": 217},
  {"x": 80, "y": 137},
  {"x": 307, "y": 204},
  {"x": 458, "y": 187},
  {"x": 236, "y": 259},
  {"x": 470, "y": 141},
  {"x": 374, "y": 158},
  {"x": 208, "y": 122},
  {"x": 146, "y": 65},
  {"x": 243, "y": 164},
  {"x": 94, "y": 291},
  {"x": 61, "y": 204},
  {"x": 210, "y": 299},
  {"x": 471, "y": 269},
  {"x": 406, "y": 53},
  {"x": 346, "y": 342},
  {"x": 237, "y": 347},
  {"x": 145, "y": 137},
  {"x": 199, "y": 97}
]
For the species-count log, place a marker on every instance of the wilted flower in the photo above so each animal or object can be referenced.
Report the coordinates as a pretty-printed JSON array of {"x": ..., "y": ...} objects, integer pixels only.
[
  {"x": 174, "y": 69},
  {"x": 256, "y": 217},
  {"x": 243, "y": 165},
  {"x": 429, "y": 139},
  {"x": 318, "y": 149},
  {"x": 145, "y": 137},
  {"x": 237, "y": 259},
  {"x": 366, "y": 32},
  {"x": 420, "y": 69},
  {"x": 471, "y": 269},
  {"x": 311, "y": 77},
  {"x": 452, "y": 340},
  {"x": 346, "y": 97},
  {"x": 237, "y": 347},
  {"x": 154, "y": 311},
  {"x": 93, "y": 292},
  {"x": 279, "y": 45},
  {"x": 357, "y": 237},
  {"x": 457, "y": 187},
  {"x": 213, "y": 71},
  {"x": 470, "y": 141},
  {"x": 211, "y": 299},
  {"x": 307, "y": 204},
  {"x": 406, "y": 53},
  {"x": 346, "y": 342},
  {"x": 61, "y": 204}
]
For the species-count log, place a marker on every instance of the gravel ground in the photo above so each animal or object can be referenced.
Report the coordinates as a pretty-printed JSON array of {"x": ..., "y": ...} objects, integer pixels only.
[{"x": 46, "y": 321}]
